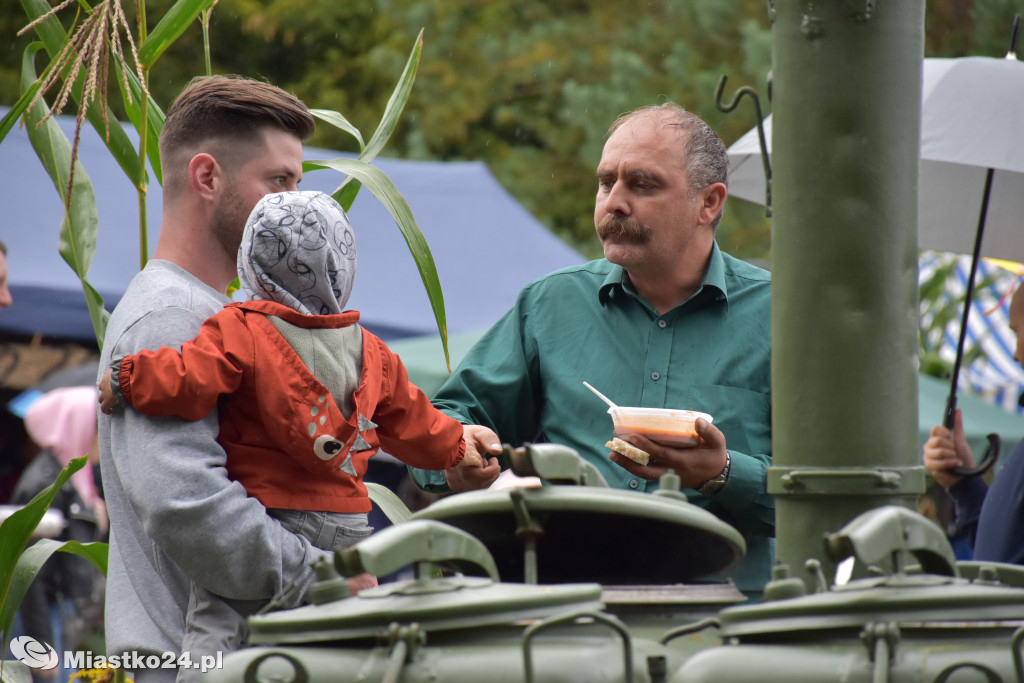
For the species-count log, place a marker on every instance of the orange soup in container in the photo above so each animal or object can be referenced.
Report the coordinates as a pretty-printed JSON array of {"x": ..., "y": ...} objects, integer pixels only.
[{"x": 663, "y": 425}]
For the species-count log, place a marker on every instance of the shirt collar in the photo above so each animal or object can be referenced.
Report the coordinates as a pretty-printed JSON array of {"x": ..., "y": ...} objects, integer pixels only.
[{"x": 712, "y": 287}]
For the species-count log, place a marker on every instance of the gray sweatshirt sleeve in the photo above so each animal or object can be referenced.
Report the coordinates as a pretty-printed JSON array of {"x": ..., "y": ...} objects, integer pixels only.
[{"x": 172, "y": 474}]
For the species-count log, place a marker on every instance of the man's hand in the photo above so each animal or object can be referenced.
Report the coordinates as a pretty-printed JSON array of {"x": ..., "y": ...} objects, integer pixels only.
[
  {"x": 694, "y": 465},
  {"x": 945, "y": 450},
  {"x": 472, "y": 473},
  {"x": 107, "y": 399}
]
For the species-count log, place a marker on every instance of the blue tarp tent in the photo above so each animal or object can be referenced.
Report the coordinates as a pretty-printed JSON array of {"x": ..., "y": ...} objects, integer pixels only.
[{"x": 485, "y": 245}]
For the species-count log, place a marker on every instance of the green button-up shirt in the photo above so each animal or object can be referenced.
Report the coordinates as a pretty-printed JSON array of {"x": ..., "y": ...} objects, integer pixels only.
[{"x": 524, "y": 379}]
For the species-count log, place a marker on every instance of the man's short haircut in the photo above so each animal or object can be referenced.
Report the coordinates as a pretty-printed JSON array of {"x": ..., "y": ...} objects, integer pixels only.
[
  {"x": 704, "y": 153},
  {"x": 229, "y": 112},
  {"x": 3, "y": 248}
]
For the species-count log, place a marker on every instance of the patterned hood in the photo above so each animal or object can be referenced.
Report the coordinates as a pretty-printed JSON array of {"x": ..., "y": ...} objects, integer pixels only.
[{"x": 298, "y": 249}]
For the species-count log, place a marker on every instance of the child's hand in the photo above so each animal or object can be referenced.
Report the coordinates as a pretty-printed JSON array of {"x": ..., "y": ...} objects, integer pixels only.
[
  {"x": 359, "y": 583},
  {"x": 107, "y": 399},
  {"x": 476, "y": 470},
  {"x": 480, "y": 442}
]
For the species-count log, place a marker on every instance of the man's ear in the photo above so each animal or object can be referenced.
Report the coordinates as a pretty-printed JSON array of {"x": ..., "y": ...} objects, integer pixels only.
[
  {"x": 713, "y": 198},
  {"x": 205, "y": 175}
]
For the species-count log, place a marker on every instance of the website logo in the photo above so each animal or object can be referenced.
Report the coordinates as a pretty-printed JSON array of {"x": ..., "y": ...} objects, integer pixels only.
[{"x": 34, "y": 653}]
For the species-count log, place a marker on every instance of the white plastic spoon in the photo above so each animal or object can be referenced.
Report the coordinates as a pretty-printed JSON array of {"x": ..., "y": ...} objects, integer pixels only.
[{"x": 600, "y": 395}]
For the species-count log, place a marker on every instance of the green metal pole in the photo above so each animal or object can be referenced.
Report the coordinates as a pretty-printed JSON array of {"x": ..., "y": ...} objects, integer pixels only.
[{"x": 846, "y": 111}]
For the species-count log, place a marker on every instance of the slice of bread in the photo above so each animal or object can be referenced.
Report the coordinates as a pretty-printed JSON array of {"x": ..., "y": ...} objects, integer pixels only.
[{"x": 629, "y": 450}]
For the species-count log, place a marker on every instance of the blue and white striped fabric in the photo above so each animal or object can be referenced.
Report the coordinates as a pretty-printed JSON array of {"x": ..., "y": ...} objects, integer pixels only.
[{"x": 996, "y": 378}]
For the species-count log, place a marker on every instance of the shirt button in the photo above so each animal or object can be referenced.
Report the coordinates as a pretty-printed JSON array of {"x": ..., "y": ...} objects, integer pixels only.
[
  {"x": 661, "y": 324},
  {"x": 633, "y": 483},
  {"x": 655, "y": 376}
]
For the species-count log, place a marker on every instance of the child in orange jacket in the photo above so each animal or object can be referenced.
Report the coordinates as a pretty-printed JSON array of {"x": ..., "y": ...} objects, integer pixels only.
[{"x": 306, "y": 396}]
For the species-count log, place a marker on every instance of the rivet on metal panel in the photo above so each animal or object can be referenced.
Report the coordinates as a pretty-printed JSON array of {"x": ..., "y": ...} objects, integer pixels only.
[
  {"x": 813, "y": 567},
  {"x": 862, "y": 10},
  {"x": 812, "y": 27}
]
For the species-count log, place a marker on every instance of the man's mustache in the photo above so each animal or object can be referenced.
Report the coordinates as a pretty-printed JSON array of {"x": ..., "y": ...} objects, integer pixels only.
[{"x": 629, "y": 228}]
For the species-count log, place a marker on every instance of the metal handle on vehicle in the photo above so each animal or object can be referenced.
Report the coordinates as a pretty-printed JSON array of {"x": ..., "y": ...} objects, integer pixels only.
[
  {"x": 300, "y": 675},
  {"x": 990, "y": 675},
  {"x": 404, "y": 641},
  {"x": 672, "y": 634},
  {"x": 416, "y": 542},
  {"x": 558, "y": 619}
]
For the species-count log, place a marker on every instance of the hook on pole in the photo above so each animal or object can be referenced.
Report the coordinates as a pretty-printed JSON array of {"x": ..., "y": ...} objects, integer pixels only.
[{"x": 732, "y": 104}]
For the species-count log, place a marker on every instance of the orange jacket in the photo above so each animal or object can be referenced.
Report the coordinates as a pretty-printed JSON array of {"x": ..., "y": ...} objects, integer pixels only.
[{"x": 286, "y": 440}]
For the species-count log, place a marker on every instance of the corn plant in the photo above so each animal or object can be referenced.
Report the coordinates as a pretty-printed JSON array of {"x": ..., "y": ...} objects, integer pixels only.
[{"x": 20, "y": 562}]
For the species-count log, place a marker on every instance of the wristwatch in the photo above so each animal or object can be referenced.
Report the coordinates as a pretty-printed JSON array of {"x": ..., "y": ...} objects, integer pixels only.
[{"x": 712, "y": 486}]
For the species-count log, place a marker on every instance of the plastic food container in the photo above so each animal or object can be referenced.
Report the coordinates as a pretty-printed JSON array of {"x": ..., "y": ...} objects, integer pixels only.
[{"x": 662, "y": 425}]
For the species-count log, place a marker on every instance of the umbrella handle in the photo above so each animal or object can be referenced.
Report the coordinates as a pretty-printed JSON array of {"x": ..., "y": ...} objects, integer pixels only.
[
  {"x": 991, "y": 455},
  {"x": 1012, "y": 54},
  {"x": 950, "y": 411}
]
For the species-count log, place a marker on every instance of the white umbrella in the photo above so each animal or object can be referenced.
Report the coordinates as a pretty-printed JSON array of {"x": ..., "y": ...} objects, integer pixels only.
[{"x": 972, "y": 119}]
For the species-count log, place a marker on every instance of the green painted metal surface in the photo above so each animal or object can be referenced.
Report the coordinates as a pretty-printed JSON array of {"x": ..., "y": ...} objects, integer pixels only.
[
  {"x": 443, "y": 604},
  {"x": 915, "y": 618},
  {"x": 416, "y": 541},
  {"x": 846, "y": 109},
  {"x": 611, "y": 536}
]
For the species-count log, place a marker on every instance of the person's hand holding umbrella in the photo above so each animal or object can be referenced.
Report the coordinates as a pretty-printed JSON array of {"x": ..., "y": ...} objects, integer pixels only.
[{"x": 947, "y": 451}]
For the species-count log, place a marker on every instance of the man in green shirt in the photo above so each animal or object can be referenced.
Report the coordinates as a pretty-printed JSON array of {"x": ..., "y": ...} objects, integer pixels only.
[{"x": 665, "y": 320}]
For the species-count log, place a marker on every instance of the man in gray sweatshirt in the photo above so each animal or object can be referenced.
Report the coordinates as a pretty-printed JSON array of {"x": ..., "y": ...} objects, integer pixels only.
[{"x": 175, "y": 516}]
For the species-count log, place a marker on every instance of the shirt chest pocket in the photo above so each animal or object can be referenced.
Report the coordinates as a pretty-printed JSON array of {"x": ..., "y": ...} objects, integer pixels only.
[{"x": 742, "y": 415}]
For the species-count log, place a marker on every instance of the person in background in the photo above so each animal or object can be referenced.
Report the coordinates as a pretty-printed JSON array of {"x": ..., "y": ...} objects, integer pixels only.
[
  {"x": 63, "y": 604},
  {"x": 307, "y": 394},
  {"x": 665, "y": 320},
  {"x": 175, "y": 516},
  {"x": 991, "y": 517},
  {"x": 5, "y": 292}
]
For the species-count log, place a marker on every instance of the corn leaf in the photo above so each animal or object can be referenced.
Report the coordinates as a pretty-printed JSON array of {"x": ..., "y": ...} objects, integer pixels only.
[
  {"x": 393, "y": 110},
  {"x": 178, "y": 18},
  {"x": 98, "y": 314},
  {"x": 36, "y": 555},
  {"x": 385, "y": 191},
  {"x": 15, "y": 533},
  {"x": 154, "y": 116},
  {"x": 390, "y": 504},
  {"x": 339, "y": 121},
  {"x": 346, "y": 193},
  {"x": 80, "y": 224},
  {"x": 15, "y": 112},
  {"x": 349, "y": 188}
]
